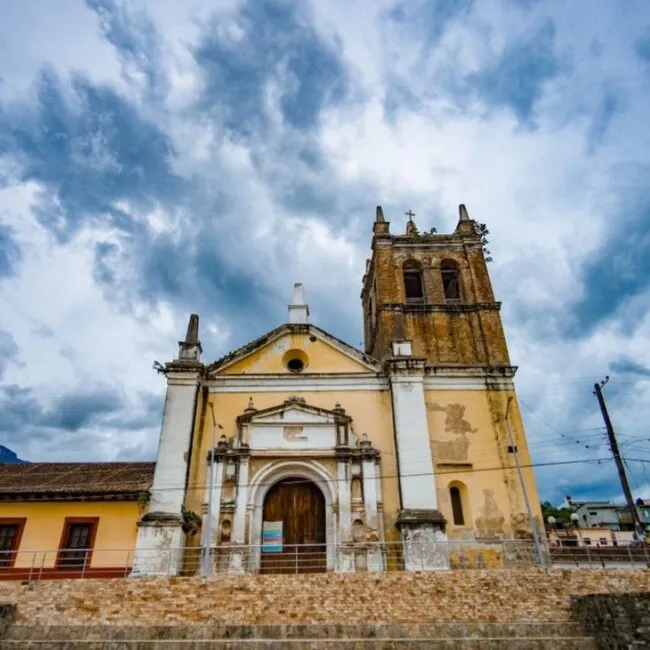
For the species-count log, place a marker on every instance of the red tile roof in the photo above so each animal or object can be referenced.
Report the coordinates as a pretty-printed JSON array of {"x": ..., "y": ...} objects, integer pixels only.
[{"x": 73, "y": 481}]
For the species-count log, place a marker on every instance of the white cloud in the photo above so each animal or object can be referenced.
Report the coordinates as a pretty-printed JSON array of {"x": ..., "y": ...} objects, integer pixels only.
[{"x": 547, "y": 195}]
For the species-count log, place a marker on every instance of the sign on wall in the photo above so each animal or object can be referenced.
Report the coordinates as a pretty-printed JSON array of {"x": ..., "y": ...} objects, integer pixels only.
[{"x": 272, "y": 537}]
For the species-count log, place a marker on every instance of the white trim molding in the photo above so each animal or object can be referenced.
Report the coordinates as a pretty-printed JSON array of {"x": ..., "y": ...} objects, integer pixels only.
[{"x": 302, "y": 384}]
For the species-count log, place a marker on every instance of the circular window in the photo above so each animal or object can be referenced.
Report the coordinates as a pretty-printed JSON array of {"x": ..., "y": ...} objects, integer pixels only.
[
  {"x": 295, "y": 365},
  {"x": 295, "y": 360}
]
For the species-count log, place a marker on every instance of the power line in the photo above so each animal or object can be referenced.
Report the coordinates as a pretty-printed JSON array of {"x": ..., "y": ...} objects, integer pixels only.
[{"x": 456, "y": 472}]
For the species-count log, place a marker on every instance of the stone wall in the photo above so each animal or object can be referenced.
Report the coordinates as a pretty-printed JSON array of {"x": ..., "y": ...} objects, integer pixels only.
[
  {"x": 510, "y": 595},
  {"x": 615, "y": 620},
  {"x": 7, "y": 616}
]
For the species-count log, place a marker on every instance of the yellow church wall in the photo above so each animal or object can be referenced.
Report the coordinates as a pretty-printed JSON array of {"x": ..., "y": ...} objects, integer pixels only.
[
  {"x": 369, "y": 409},
  {"x": 321, "y": 357},
  {"x": 469, "y": 442},
  {"x": 45, "y": 521}
]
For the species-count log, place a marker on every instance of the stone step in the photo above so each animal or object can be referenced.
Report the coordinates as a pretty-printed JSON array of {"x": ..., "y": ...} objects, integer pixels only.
[
  {"x": 462, "y": 630},
  {"x": 487, "y": 643}
]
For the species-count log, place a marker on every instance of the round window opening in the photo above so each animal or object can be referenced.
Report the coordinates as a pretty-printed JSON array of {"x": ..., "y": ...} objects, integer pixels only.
[
  {"x": 295, "y": 365},
  {"x": 295, "y": 360}
]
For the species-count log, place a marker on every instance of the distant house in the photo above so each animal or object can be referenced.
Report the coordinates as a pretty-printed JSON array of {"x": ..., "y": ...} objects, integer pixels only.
[
  {"x": 596, "y": 524},
  {"x": 606, "y": 514}
]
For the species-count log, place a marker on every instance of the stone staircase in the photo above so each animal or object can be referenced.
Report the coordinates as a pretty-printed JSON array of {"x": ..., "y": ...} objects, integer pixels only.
[{"x": 447, "y": 636}]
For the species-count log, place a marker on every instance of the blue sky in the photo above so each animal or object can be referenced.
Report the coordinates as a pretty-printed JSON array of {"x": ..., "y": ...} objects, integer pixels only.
[{"x": 158, "y": 158}]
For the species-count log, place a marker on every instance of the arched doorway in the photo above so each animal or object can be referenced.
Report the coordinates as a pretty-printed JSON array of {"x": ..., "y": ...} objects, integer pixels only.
[{"x": 300, "y": 505}]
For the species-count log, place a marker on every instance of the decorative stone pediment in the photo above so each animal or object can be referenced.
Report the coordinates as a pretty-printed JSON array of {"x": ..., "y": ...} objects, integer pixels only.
[{"x": 294, "y": 425}]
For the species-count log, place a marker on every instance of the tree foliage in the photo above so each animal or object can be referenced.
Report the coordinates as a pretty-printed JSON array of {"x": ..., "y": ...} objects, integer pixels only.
[{"x": 562, "y": 515}]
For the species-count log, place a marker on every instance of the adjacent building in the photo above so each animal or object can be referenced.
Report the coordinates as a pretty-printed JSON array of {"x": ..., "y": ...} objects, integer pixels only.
[{"x": 63, "y": 519}]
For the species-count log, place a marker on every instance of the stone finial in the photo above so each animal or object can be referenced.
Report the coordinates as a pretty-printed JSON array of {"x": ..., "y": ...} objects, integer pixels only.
[
  {"x": 381, "y": 226},
  {"x": 465, "y": 224},
  {"x": 298, "y": 310},
  {"x": 251, "y": 407},
  {"x": 190, "y": 349},
  {"x": 192, "y": 336}
]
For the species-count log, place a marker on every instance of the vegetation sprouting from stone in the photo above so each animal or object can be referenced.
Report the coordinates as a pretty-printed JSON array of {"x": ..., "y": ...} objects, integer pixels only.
[{"x": 482, "y": 230}]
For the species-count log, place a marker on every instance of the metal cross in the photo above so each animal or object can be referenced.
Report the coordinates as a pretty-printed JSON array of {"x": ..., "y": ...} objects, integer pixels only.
[{"x": 410, "y": 214}]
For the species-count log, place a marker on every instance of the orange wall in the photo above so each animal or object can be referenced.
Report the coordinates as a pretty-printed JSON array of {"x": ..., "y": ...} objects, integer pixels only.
[{"x": 114, "y": 541}]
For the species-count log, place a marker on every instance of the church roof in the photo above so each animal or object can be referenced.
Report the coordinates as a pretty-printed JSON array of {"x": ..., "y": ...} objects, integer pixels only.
[
  {"x": 74, "y": 481},
  {"x": 296, "y": 328}
]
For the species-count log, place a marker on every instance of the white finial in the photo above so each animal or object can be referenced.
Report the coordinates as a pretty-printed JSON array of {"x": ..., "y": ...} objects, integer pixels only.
[{"x": 298, "y": 310}]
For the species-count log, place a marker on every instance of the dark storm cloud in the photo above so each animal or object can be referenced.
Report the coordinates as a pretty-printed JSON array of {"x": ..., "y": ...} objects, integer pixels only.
[
  {"x": 276, "y": 43},
  {"x": 516, "y": 79}
]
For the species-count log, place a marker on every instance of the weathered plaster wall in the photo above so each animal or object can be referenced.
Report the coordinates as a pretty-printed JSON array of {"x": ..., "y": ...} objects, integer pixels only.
[
  {"x": 117, "y": 529},
  {"x": 469, "y": 439},
  {"x": 515, "y": 595}
]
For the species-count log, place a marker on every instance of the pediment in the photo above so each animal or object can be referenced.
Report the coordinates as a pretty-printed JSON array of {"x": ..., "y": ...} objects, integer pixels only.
[
  {"x": 321, "y": 352},
  {"x": 294, "y": 415},
  {"x": 293, "y": 426},
  {"x": 294, "y": 410}
]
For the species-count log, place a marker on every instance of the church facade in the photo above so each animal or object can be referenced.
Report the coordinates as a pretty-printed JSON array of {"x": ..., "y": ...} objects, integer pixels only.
[{"x": 298, "y": 443}]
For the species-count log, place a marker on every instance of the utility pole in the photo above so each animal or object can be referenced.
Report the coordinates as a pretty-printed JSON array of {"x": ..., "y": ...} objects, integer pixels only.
[
  {"x": 613, "y": 445},
  {"x": 541, "y": 556}
]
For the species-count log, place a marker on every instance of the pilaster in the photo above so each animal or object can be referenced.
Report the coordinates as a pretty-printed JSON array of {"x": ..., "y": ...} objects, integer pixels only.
[
  {"x": 218, "y": 457},
  {"x": 422, "y": 526},
  {"x": 160, "y": 542},
  {"x": 370, "y": 499},
  {"x": 345, "y": 542},
  {"x": 238, "y": 559}
]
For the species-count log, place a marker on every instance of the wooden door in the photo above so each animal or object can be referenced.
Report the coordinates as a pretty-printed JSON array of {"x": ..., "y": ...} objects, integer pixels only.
[{"x": 300, "y": 506}]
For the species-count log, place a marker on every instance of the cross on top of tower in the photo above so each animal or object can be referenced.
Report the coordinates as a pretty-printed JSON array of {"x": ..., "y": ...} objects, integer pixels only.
[{"x": 410, "y": 214}]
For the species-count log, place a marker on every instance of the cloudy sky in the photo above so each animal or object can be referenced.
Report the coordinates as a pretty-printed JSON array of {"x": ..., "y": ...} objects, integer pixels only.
[{"x": 164, "y": 157}]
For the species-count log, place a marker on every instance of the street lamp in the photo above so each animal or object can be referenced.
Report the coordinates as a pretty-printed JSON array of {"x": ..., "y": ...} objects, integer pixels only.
[{"x": 575, "y": 520}]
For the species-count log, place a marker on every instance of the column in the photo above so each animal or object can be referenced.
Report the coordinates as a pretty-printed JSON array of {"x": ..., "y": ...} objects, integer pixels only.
[
  {"x": 345, "y": 551},
  {"x": 421, "y": 524},
  {"x": 211, "y": 520},
  {"x": 239, "y": 553},
  {"x": 370, "y": 498},
  {"x": 160, "y": 541}
]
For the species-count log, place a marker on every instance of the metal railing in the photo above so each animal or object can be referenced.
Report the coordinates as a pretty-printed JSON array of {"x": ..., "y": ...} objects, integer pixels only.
[{"x": 455, "y": 555}]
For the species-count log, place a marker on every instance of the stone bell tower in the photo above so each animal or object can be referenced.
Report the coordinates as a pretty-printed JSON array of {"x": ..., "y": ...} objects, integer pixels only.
[
  {"x": 428, "y": 310},
  {"x": 435, "y": 291}
]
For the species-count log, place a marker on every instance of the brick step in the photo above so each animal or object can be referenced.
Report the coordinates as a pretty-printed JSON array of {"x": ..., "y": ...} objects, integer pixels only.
[
  {"x": 324, "y": 631},
  {"x": 487, "y": 643}
]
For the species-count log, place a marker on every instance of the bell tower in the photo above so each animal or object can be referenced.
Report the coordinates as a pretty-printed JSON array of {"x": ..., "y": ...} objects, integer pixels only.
[{"x": 434, "y": 290}]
